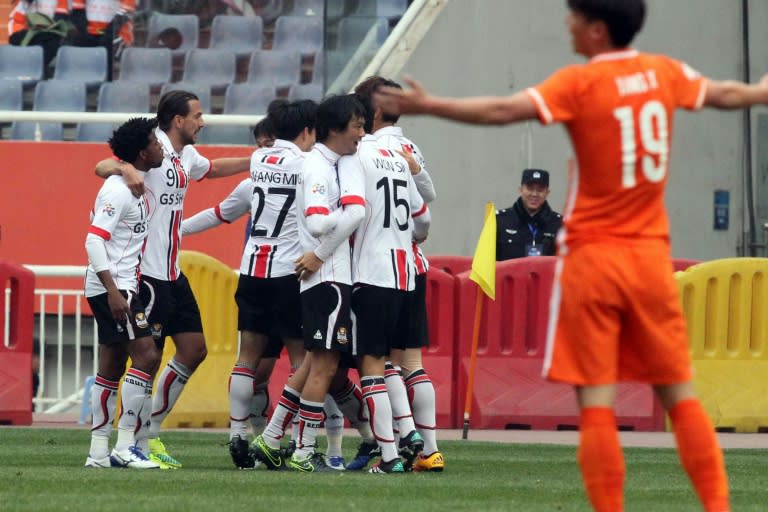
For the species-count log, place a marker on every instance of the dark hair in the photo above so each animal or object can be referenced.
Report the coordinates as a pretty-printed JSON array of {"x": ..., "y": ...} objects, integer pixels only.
[
  {"x": 288, "y": 120},
  {"x": 370, "y": 86},
  {"x": 172, "y": 104},
  {"x": 335, "y": 113},
  {"x": 624, "y": 18},
  {"x": 263, "y": 128},
  {"x": 132, "y": 137}
]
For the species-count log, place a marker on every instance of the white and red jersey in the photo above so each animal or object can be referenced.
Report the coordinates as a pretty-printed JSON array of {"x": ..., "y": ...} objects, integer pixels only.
[
  {"x": 382, "y": 250},
  {"x": 273, "y": 246},
  {"x": 393, "y": 138},
  {"x": 234, "y": 206},
  {"x": 324, "y": 190},
  {"x": 166, "y": 187},
  {"x": 121, "y": 220},
  {"x": 17, "y": 19}
]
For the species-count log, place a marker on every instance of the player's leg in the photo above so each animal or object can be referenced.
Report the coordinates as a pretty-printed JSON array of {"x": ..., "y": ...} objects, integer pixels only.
[
  {"x": 112, "y": 361},
  {"x": 294, "y": 346},
  {"x": 260, "y": 401},
  {"x": 349, "y": 399},
  {"x": 334, "y": 433}
]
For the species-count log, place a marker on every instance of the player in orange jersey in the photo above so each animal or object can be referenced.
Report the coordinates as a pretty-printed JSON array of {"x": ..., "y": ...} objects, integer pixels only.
[{"x": 607, "y": 324}]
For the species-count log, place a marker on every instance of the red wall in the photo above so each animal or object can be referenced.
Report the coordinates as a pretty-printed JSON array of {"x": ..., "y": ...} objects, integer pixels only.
[{"x": 48, "y": 189}]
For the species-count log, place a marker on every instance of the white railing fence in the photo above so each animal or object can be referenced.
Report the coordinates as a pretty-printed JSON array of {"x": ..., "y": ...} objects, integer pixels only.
[{"x": 62, "y": 343}]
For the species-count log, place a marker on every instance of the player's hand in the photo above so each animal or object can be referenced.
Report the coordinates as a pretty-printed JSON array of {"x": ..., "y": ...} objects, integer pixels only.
[
  {"x": 118, "y": 306},
  {"x": 307, "y": 264},
  {"x": 420, "y": 240},
  {"x": 413, "y": 165},
  {"x": 134, "y": 180},
  {"x": 403, "y": 101}
]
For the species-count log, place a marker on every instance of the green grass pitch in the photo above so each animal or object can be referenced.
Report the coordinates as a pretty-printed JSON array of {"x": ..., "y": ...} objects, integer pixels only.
[{"x": 42, "y": 470}]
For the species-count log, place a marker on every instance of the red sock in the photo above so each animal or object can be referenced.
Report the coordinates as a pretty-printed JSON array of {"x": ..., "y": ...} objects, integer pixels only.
[
  {"x": 601, "y": 459},
  {"x": 700, "y": 454}
]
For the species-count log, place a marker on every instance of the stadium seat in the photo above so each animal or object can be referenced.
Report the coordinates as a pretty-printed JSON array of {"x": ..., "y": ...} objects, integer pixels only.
[
  {"x": 353, "y": 30},
  {"x": 270, "y": 11},
  {"x": 11, "y": 95},
  {"x": 51, "y": 95},
  {"x": 215, "y": 68},
  {"x": 310, "y": 91},
  {"x": 188, "y": 26},
  {"x": 82, "y": 64},
  {"x": 275, "y": 67},
  {"x": 391, "y": 9},
  {"x": 114, "y": 97},
  {"x": 302, "y": 34},
  {"x": 202, "y": 91},
  {"x": 239, "y": 99},
  {"x": 239, "y": 34},
  {"x": 152, "y": 66},
  {"x": 307, "y": 8},
  {"x": 23, "y": 63}
]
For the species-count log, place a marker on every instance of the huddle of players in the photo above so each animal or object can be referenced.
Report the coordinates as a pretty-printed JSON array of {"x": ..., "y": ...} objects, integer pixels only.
[
  {"x": 339, "y": 189},
  {"x": 322, "y": 182}
]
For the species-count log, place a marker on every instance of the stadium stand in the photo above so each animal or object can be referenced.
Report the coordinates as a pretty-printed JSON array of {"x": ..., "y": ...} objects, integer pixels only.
[
  {"x": 302, "y": 34},
  {"x": 114, "y": 97},
  {"x": 23, "y": 63},
  {"x": 239, "y": 34},
  {"x": 239, "y": 99},
  {"x": 215, "y": 68},
  {"x": 187, "y": 25},
  {"x": 82, "y": 64},
  {"x": 152, "y": 66},
  {"x": 275, "y": 67},
  {"x": 353, "y": 30},
  {"x": 51, "y": 95},
  {"x": 306, "y": 92},
  {"x": 202, "y": 91}
]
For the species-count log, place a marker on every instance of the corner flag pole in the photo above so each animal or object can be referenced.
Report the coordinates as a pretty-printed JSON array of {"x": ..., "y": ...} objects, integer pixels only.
[{"x": 484, "y": 274}]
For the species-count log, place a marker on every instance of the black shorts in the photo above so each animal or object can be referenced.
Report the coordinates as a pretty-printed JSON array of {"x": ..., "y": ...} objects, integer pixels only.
[
  {"x": 273, "y": 348},
  {"x": 269, "y": 306},
  {"x": 413, "y": 321},
  {"x": 110, "y": 333},
  {"x": 325, "y": 312},
  {"x": 171, "y": 306},
  {"x": 376, "y": 314}
]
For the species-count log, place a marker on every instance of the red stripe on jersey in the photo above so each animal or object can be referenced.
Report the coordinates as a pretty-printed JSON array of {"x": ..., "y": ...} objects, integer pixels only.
[
  {"x": 386, "y": 152},
  {"x": 263, "y": 257},
  {"x": 173, "y": 249},
  {"x": 272, "y": 159},
  {"x": 352, "y": 200},
  {"x": 421, "y": 266},
  {"x": 408, "y": 148},
  {"x": 103, "y": 233},
  {"x": 401, "y": 264},
  {"x": 316, "y": 210},
  {"x": 217, "y": 211},
  {"x": 420, "y": 212}
]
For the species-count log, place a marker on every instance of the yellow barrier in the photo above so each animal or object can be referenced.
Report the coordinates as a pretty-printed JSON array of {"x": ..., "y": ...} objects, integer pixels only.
[
  {"x": 725, "y": 303},
  {"x": 205, "y": 400}
]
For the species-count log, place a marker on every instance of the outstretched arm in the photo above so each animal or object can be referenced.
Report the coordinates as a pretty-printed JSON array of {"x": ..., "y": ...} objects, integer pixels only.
[
  {"x": 731, "y": 94},
  {"x": 473, "y": 110},
  {"x": 223, "y": 167}
]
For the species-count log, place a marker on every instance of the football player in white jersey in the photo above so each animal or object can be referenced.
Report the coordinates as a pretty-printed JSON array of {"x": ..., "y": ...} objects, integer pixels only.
[
  {"x": 114, "y": 242},
  {"x": 405, "y": 356},
  {"x": 172, "y": 306},
  {"x": 383, "y": 272},
  {"x": 330, "y": 207}
]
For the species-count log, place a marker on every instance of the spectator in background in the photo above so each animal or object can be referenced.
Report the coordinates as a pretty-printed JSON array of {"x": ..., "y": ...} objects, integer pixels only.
[
  {"x": 39, "y": 23},
  {"x": 530, "y": 226},
  {"x": 107, "y": 23}
]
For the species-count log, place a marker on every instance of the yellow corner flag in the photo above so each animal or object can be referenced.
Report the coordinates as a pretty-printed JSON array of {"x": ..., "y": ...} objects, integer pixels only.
[{"x": 484, "y": 261}]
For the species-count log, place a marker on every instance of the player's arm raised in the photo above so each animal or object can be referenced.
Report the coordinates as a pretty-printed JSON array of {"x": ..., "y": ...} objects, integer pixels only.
[
  {"x": 134, "y": 179},
  {"x": 223, "y": 167},
  {"x": 732, "y": 94}
]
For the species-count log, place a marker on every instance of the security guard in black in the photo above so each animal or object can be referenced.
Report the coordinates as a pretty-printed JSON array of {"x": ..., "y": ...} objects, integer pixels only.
[{"x": 529, "y": 227}]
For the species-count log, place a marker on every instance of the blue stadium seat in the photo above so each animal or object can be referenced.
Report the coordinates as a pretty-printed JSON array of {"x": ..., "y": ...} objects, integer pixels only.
[
  {"x": 11, "y": 95},
  {"x": 239, "y": 34},
  {"x": 51, "y": 95},
  {"x": 115, "y": 97},
  {"x": 309, "y": 91},
  {"x": 81, "y": 64},
  {"x": 270, "y": 10},
  {"x": 151, "y": 66},
  {"x": 299, "y": 34},
  {"x": 239, "y": 99},
  {"x": 215, "y": 68},
  {"x": 23, "y": 63},
  {"x": 275, "y": 67},
  {"x": 188, "y": 26},
  {"x": 307, "y": 8},
  {"x": 391, "y": 9},
  {"x": 353, "y": 30},
  {"x": 201, "y": 91}
]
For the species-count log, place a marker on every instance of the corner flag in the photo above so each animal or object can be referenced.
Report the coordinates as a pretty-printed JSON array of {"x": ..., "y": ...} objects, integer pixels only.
[{"x": 484, "y": 261}]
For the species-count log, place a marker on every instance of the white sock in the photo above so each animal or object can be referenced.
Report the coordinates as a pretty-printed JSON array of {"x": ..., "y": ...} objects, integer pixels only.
[
  {"x": 145, "y": 420},
  {"x": 170, "y": 384},
  {"x": 132, "y": 396},
  {"x": 380, "y": 411},
  {"x": 259, "y": 407},
  {"x": 285, "y": 410},
  {"x": 103, "y": 404},
  {"x": 398, "y": 397},
  {"x": 310, "y": 418},
  {"x": 422, "y": 394},
  {"x": 350, "y": 401},
  {"x": 334, "y": 426},
  {"x": 240, "y": 396}
]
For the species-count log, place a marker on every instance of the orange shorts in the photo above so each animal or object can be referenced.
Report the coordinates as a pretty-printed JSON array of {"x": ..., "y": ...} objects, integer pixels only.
[{"x": 615, "y": 315}]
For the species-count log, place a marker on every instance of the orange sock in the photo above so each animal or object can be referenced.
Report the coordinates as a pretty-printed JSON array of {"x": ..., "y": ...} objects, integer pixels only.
[
  {"x": 601, "y": 459},
  {"x": 700, "y": 454}
]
